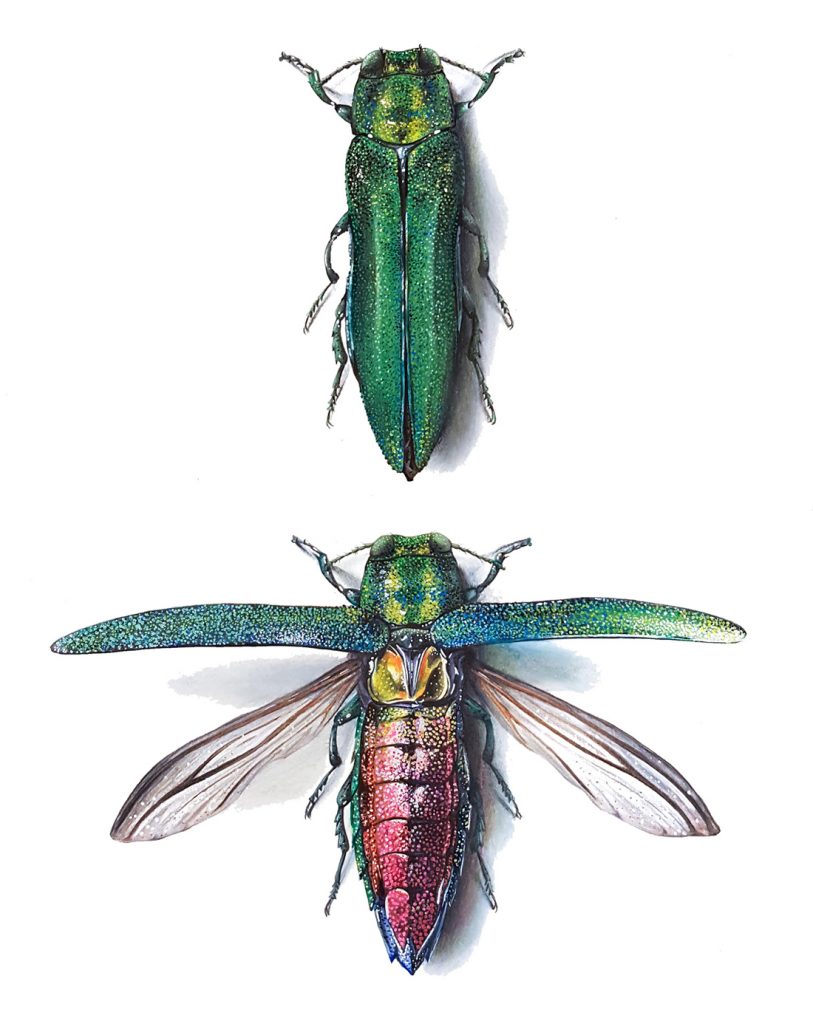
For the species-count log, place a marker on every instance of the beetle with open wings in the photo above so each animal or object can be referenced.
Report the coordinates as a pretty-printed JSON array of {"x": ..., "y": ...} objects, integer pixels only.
[{"x": 413, "y": 683}]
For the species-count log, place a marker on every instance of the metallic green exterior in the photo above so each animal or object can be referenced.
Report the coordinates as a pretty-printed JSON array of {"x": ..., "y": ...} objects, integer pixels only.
[
  {"x": 407, "y": 582},
  {"x": 516, "y": 621},
  {"x": 434, "y": 201},
  {"x": 413, "y": 584},
  {"x": 230, "y": 625},
  {"x": 375, "y": 291},
  {"x": 405, "y": 199},
  {"x": 403, "y": 103}
]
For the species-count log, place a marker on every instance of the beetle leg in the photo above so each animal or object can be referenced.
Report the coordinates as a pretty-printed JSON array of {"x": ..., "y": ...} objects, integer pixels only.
[
  {"x": 316, "y": 82},
  {"x": 470, "y": 224},
  {"x": 347, "y": 713},
  {"x": 340, "y": 353},
  {"x": 486, "y": 77},
  {"x": 497, "y": 562},
  {"x": 343, "y": 799},
  {"x": 326, "y": 566},
  {"x": 474, "y": 354},
  {"x": 478, "y": 832},
  {"x": 332, "y": 277},
  {"x": 479, "y": 712}
]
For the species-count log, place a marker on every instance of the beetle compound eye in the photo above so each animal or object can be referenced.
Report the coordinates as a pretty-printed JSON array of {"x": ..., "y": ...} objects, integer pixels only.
[
  {"x": 388, "y": 678},
  {"x": 433, "y": 679},
  {"x": 383, "y": 547},
  {"x": 439, "y": 544},
  {"x": 373, "y": 65},
  {"x": 428, "y": 61}
]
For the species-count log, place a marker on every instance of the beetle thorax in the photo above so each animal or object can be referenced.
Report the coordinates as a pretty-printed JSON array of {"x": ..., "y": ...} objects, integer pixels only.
[
  {"x": 402, "y": 96},
  {"x": 412, "y": 670},
  {"x": 410, "y": 581}
]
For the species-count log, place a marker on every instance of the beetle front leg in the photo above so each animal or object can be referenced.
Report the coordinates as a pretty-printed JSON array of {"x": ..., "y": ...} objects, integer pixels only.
[
  {"x": 479, "y": 712},
  {"x": 343, "y": 799},
  {"x": 340, "y": 352},
  {"x": 332, "y": 277},
  {"x": 470, "y": 224},
  {"x": 347, "y": 713},
  {"x": 486, "y": 77},
  {"x": 475, "y": 354},
  {"x": 317, "y": 83}
]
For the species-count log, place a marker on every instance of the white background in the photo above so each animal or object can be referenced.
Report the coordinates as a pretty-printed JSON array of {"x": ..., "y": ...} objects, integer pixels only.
[{"x": 168, "y": 188}]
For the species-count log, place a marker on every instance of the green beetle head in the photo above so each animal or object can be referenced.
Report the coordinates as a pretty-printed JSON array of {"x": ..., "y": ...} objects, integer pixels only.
[
  {"x": 402, "y": 96},
  {"x": 409, "y": 581}
]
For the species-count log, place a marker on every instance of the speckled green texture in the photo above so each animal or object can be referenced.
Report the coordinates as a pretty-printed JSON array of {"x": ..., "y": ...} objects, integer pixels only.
[
  {"x": 402, "y": 104},
  {"x": 413, "y": 584},
  {"x": 579, "y": 617},
  {"x": 230, "y": 625},
  {"x": 434, "y": 200},
  {"x": 375, "y": 291},
  {"x": 403, "y": 308}
]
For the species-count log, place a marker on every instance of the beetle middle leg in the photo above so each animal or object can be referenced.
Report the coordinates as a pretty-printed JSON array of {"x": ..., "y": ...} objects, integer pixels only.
[
  {"x": 470, "y": 224},
  {"x": 475, "y": 354},
  {"x": 342, "y": 224},
  {"x": 340, "y": 352},
  {"x": 343, "y": 799},
  {"x": 479, "y": 712},
  {"x": 349, "y": 711}
]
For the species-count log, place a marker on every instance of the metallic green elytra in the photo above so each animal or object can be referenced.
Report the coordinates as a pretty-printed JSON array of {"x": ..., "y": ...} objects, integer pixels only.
[
  {"x": 415, "y": 689},
  {"x": 405, "y": 300},
  {"x": 409, "y": 583}
]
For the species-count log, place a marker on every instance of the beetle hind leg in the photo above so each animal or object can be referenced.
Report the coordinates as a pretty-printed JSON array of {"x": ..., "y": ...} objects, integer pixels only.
[
  {"x": 475, "y": 355},
  {"x": 476, "y": 842},
  {"x": 343, "y": 799},
  {"x": 340, "y": 352}
]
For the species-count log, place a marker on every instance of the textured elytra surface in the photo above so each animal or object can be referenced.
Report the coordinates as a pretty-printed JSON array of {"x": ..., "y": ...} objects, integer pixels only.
[
  {"x": 375, "y": 290},
  {"x": 435, "y": 186},
  {"x": 403, "y": 303},
  {"x": 410, "y": 817},
  {"x": 580, "y": 616},
  {"x": 230, "y": 625}
]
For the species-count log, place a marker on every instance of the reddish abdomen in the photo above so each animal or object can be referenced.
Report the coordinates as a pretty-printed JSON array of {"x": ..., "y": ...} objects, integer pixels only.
[{"x": 409, "y": 816}]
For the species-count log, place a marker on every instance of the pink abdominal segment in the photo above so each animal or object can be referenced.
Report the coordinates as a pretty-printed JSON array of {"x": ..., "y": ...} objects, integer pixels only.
[{"x": 409, "y": 804}]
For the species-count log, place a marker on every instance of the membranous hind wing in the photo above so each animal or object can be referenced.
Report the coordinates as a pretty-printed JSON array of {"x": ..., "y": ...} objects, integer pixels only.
[
  {"x": 619, "y": 774},
  {"x": 203, "y": 777}
]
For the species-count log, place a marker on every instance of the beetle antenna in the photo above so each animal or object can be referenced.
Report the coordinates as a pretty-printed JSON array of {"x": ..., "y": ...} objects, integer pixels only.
[
  {"x": 326, "y": 566},
  {"x": 352, "y": 551},
  {"x": 344, "y": 67},
  {"x": 497, "y": 562}
]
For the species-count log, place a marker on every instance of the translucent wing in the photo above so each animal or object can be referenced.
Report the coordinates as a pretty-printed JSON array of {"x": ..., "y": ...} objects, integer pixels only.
[
  {"x": 204, "y": 776},
  {"x": 579, "y": 616},
  {"x": 619, "y": 774},
  {"x": 230, "y": 625}
]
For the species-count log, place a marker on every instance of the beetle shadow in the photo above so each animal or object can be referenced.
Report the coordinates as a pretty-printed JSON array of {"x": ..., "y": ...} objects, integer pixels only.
[
  {"x": 466, "y": 415},
  {"x": 250, "y": 684}
]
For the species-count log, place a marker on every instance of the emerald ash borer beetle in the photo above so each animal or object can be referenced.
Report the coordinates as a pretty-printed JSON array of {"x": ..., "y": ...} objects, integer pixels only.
[
  {"x": 404, "y": 302},
  {"x": 414, "y": 685}
]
